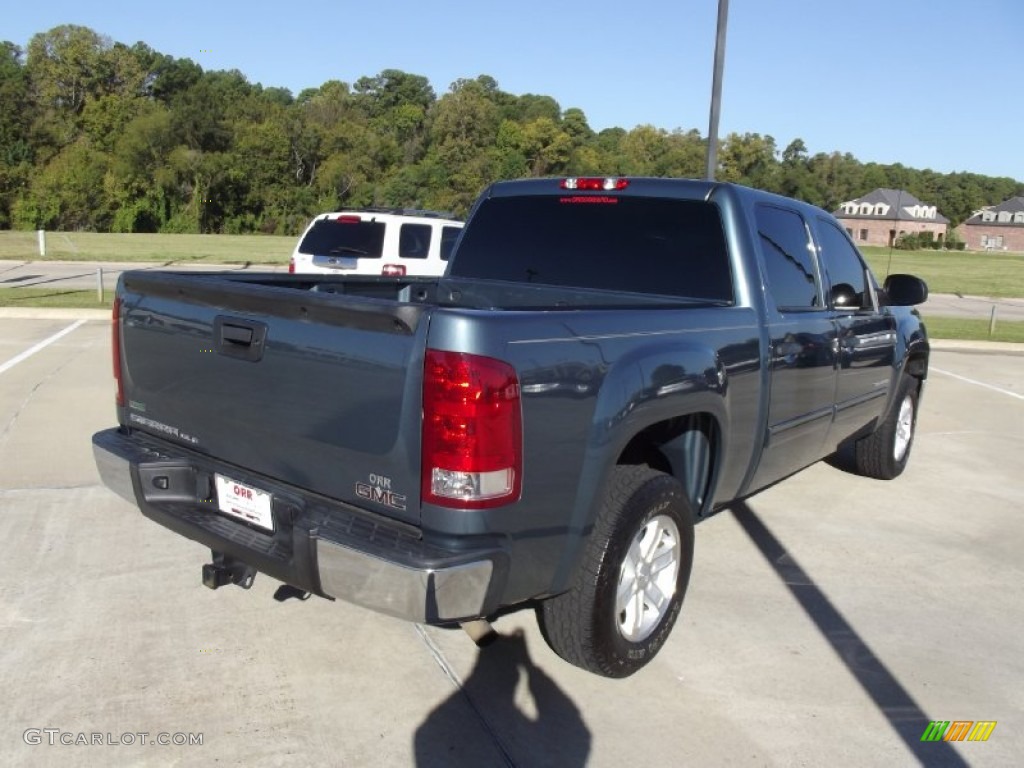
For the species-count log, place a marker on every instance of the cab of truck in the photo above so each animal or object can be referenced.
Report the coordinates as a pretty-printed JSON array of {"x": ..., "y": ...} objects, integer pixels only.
[{"x": 393, "y": 241}]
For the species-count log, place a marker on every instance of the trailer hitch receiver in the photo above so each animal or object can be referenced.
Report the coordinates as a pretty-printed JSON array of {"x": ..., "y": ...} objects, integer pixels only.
[{"x": 226, "y": 570}]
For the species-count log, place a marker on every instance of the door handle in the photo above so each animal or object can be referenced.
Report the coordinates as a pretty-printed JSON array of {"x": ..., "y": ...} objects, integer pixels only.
[
  {"x": 236, "y": 334},
  {"x": 239, "y": 338}
]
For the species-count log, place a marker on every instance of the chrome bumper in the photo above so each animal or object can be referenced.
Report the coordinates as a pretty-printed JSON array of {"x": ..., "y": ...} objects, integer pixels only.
[
  {"x": 115, "y": 472},
  {"x": 318, "y": 550},
  {"x": 416, "y": 594}
]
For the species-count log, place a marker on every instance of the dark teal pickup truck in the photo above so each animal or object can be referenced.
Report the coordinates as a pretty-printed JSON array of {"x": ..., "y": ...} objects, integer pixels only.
[{"x": 605, "y": 360}]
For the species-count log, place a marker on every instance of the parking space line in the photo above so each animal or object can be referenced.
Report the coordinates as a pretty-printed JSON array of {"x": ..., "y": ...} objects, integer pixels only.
[
  {"x": 977, "y": 383},
  {"x": 41, "y": 345}
]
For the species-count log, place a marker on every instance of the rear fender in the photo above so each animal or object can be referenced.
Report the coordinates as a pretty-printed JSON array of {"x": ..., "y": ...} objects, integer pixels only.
[{"x": 645, "y": 387}]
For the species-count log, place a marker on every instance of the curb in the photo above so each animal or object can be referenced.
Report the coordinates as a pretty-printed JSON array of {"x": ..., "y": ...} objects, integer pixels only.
[{"x": 989, "y": 347}]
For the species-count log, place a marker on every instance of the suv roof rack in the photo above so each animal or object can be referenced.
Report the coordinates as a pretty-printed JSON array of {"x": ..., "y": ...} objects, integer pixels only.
[{"x": 408, "y": 212}]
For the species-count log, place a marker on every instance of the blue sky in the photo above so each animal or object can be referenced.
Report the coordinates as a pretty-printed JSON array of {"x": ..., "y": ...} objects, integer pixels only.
[{"x": 927, "y": 83}]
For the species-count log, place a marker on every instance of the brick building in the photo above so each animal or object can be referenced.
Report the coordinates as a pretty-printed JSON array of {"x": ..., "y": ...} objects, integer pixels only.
[
  {"x": 883, "y": 215},
  {"x": 996, "y": 228}
]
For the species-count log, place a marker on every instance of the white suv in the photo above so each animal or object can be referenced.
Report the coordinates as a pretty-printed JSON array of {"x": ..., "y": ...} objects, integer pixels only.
[{"x": 376, "y": 242}]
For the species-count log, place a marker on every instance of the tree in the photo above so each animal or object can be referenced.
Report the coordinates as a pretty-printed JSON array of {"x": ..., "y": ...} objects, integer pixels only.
[
  {"x": 465, "y": 121},
  {"x": 64, "y": 195},
  {"x": 392, "y": 89},
  {"x": 749, "y": 159},
  {"x": 15, "y": 146},
  {"x": 97, "y": 134},
  {"x": 795, "y": 178}
]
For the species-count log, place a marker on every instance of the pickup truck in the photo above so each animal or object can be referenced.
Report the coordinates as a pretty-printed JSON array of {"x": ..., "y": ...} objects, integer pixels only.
[{"x": 604, "y": 361}]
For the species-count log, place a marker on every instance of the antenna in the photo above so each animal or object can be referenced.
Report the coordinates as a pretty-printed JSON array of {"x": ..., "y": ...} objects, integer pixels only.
[{"x": 895, "y": 229}]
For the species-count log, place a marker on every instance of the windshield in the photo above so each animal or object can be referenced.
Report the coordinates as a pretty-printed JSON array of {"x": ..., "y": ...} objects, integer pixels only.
[
  {"x": 345, "y": 236},
  {"x": 629, "y": 244}
]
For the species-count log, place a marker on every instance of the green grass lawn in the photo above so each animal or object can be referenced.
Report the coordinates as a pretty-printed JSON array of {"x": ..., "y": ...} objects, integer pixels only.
[
  {"x": 963, "y": 272},
  {"x": 970, "y": 329},
  {"x": 977, "y": 273},
  {"x": 938, "y": 327},
  {"x": 53, "y": 297},
  {"x": 968, "y": 273},
  {"x": 164, "y": 249}
]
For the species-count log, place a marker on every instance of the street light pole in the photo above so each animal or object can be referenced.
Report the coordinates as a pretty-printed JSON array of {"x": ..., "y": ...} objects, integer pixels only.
[{"x": 716, "y": 89}]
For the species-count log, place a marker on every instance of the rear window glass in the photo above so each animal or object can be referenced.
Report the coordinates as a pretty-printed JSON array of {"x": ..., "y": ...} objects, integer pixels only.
[
  {"x": 338, "y": 237},
  {"x": 448, "y": 237},
  {"x": 636, "y": 244}
]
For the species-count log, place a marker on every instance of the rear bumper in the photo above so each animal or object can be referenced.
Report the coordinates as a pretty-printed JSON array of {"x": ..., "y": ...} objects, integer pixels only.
[{"x": 318, "y": 545}]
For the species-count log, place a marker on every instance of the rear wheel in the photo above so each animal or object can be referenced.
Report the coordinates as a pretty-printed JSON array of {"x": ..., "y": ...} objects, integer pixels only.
[
  {"x": 884, "y": 453},
  {"x": 629, "y": 587}
]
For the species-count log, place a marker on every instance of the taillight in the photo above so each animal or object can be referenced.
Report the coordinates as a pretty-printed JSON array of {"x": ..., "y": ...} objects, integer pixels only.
[
  {"x": 595, "y": 184},
  {"x": 291, "y": 266},
  {"x": 393, "y": 270},
  {"x": 115, "y": 345},
  {"x": 348, "y": 219},
  {"x": 472, "y": 452}
]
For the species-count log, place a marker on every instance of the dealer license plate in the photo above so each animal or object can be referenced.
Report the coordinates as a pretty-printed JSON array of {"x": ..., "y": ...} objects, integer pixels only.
[{"x": 244, "y": 502}]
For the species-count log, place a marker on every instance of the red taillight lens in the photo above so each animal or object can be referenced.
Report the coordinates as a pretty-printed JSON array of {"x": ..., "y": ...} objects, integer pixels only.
[
  {"x": 115, "y": 346},
  {"x": 472, "y": 452},
  {"x": 291, "y": 266},
  {"x": 595, "y": 184},
  {"x": 393, "y": 270},
  {"x": 348, "y": 219}
]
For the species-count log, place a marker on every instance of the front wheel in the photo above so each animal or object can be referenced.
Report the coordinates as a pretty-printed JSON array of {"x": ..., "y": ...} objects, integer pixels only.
[
  {"x": 629, "y": 587},
  {"x": 884, "y": 453}
]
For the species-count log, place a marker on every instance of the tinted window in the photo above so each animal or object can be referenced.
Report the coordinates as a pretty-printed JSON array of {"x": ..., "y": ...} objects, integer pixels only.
[
  {"x": 344, "y": 237},
  {"x": 448, "y": 237},
  {"x": 788, "y": 260},
  {"x": 414, "y": 241},
  {"x": 636, "y": 244},
  {"x": 846, "y": 273}
]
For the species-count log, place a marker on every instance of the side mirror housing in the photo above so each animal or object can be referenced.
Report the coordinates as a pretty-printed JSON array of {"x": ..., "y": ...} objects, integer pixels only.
[
  {"x": 905, "y": 291},
  {"x": 845, "y": 297}
]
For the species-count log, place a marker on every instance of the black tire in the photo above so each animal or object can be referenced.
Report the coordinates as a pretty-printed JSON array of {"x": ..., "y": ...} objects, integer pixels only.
[
  {"x": 584, "y": 625},
  {"x": 884, "y": 453}
]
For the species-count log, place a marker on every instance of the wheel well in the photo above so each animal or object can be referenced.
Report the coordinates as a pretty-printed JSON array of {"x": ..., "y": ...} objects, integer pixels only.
[
  {"x": 684, "y": 447},
  {"x": 917, "y": 366}
]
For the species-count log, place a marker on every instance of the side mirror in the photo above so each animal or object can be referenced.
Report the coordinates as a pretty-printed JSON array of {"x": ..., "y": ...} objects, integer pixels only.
[
  {"x": 845, "y": 297},
  {"x": 905, "y": 290}
]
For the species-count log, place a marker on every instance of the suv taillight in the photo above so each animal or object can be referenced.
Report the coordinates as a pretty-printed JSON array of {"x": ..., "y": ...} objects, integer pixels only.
[
  {"x": 291, "y": 266},
  {"x": 472, "y": 451},
  {"x": 393, "y": 270},
  {"x": 115, "y": 347}
]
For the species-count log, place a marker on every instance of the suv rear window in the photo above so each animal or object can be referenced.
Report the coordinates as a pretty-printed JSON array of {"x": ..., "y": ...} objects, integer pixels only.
[
  {"x": 344, "y": 237},
  {"x": 637, "y": 244}
]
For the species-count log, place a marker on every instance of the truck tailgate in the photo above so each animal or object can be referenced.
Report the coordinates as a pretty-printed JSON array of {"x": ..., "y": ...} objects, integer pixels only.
[{"x": 320, "y": 391}]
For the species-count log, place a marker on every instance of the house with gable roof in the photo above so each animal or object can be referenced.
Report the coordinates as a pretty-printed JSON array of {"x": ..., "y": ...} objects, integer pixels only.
[
  {"x": 996, "y": 228},
  {"x": 881, "y": 216}
]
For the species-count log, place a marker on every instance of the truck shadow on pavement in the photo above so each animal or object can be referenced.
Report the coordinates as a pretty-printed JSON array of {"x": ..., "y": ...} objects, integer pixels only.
[
  {"x": 487, "y": 701},
  {"x": 894, "y": 702}
]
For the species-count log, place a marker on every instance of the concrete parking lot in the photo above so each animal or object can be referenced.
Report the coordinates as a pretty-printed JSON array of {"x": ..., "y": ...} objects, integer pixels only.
[{"x": 828, "y": 620}]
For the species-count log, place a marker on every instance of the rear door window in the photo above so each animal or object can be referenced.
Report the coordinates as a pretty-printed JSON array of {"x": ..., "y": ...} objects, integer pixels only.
[
  {"x": 344, "y": 236},
  {"x": 788, "y": 260},
  {"x": 636, "y": 244}
]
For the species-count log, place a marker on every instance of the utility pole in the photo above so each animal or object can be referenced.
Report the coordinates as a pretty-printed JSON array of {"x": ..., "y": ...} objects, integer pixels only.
[{"x": 716, "y": 89}]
